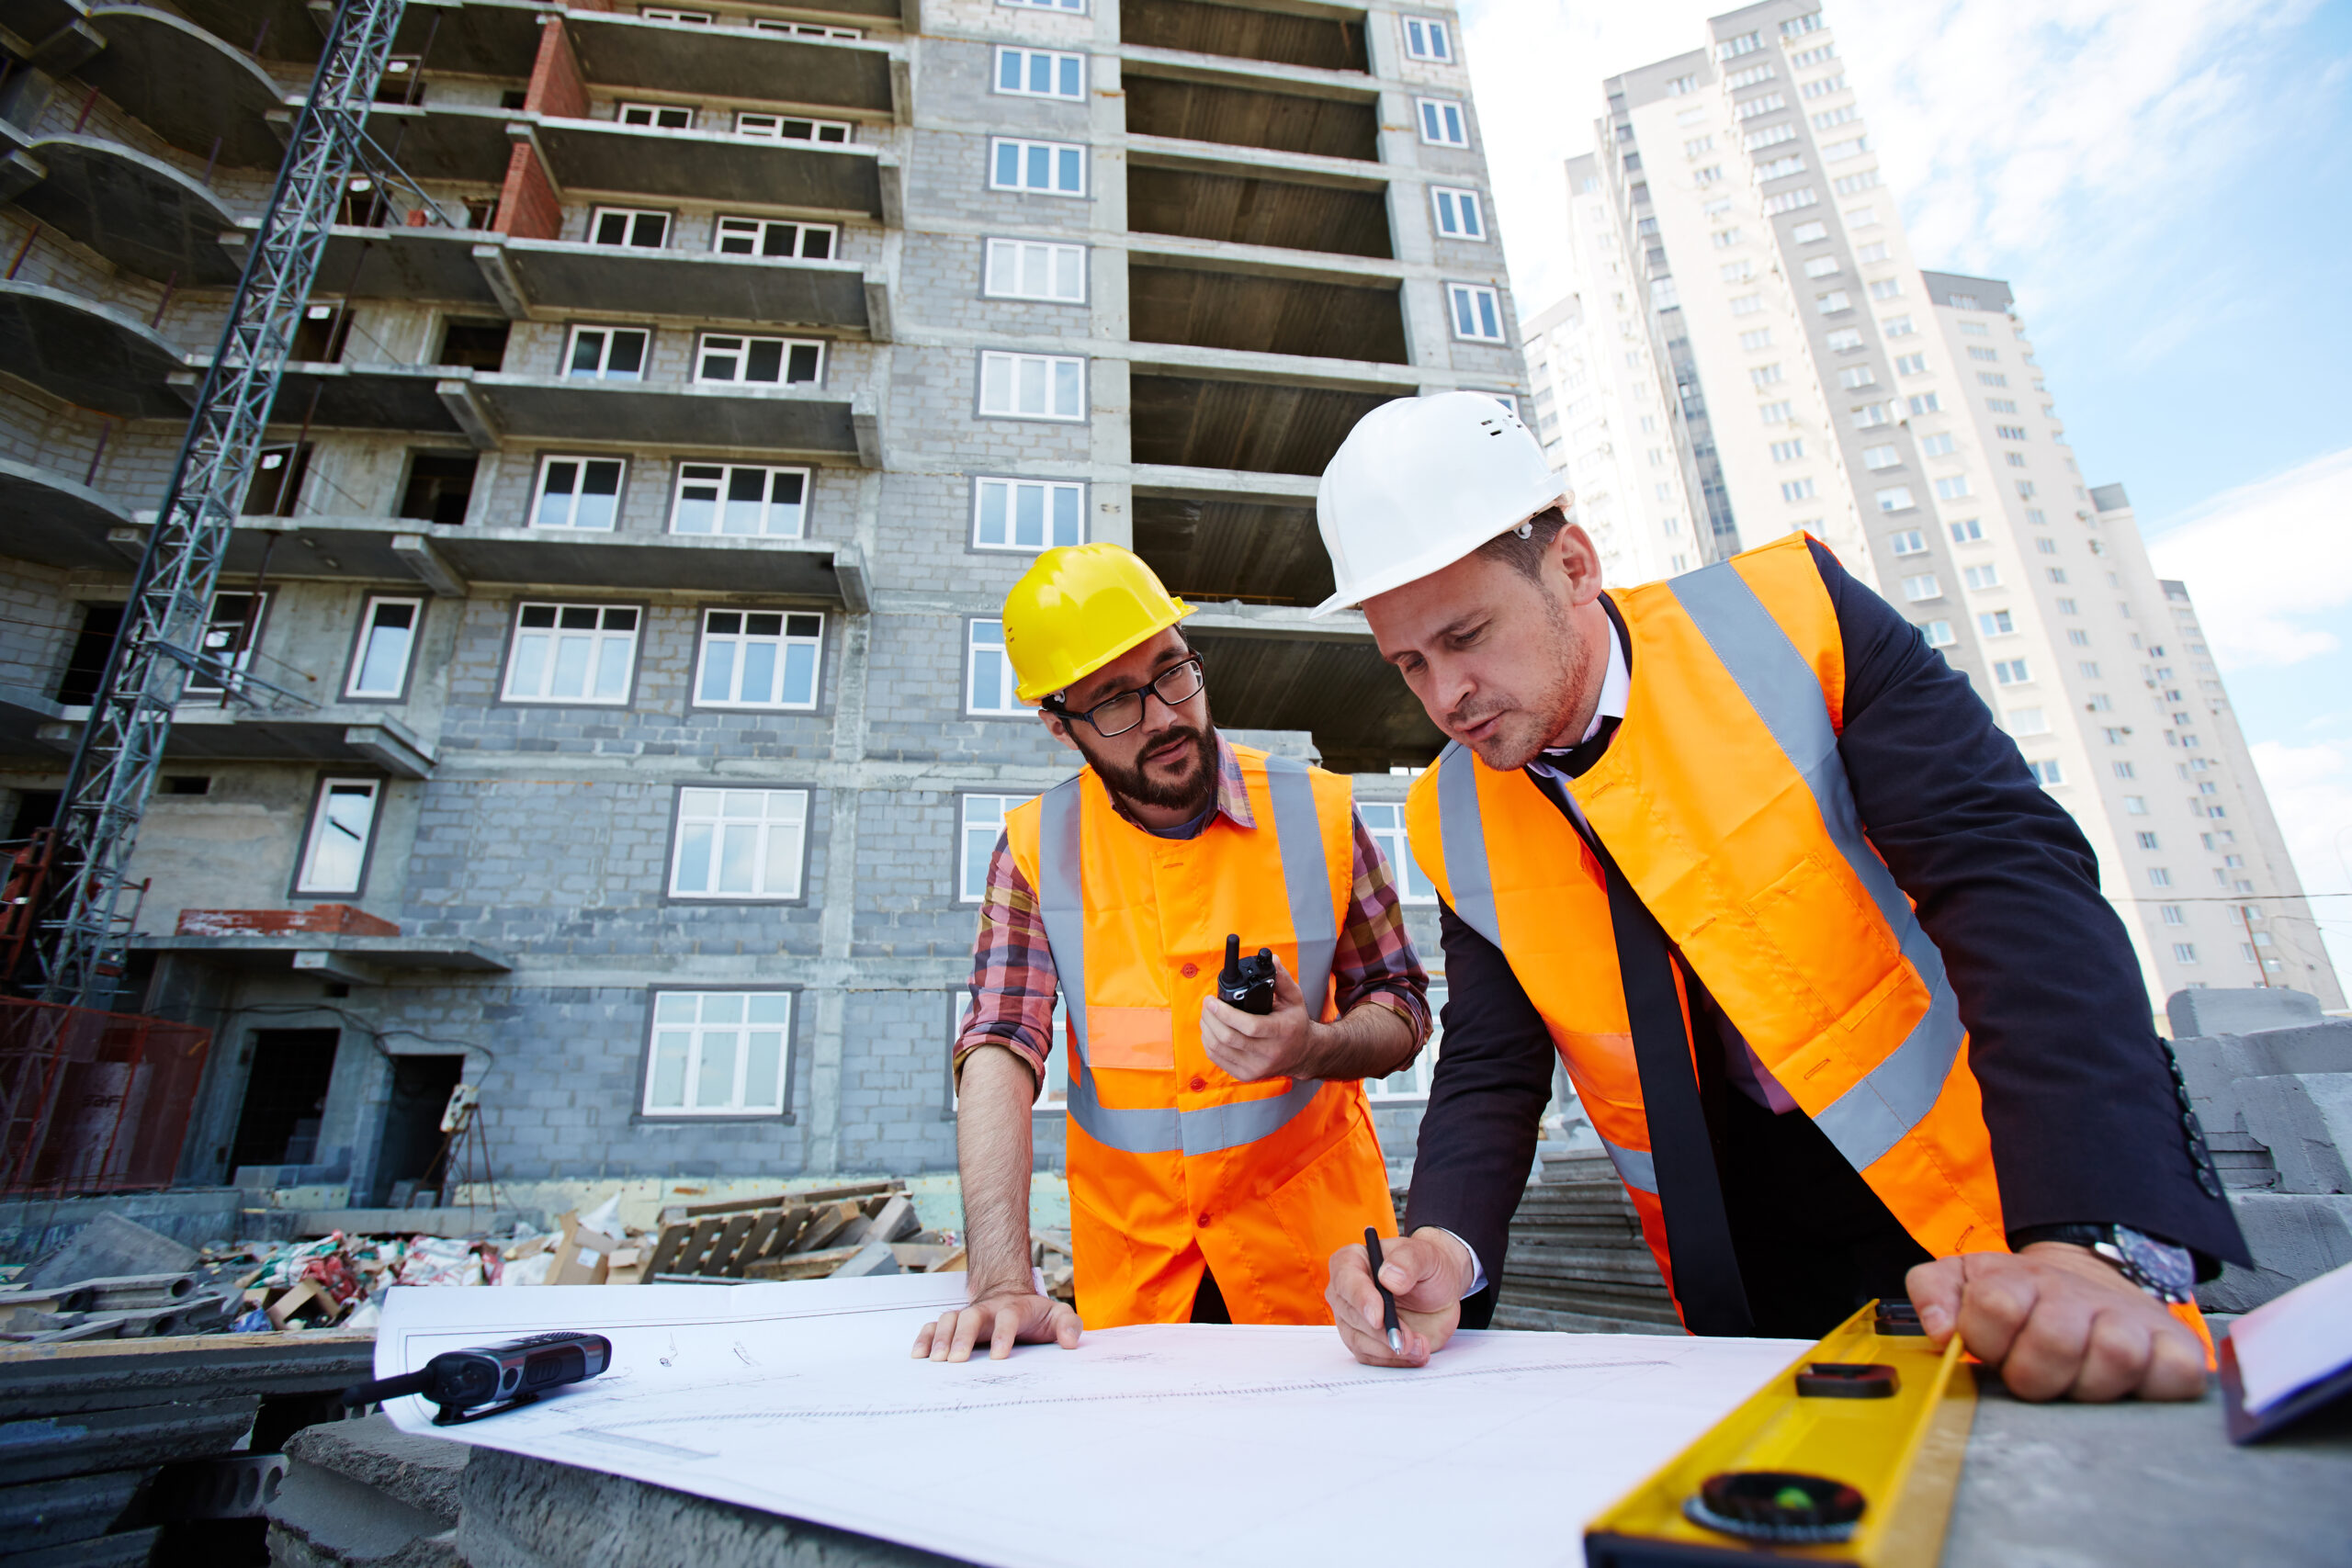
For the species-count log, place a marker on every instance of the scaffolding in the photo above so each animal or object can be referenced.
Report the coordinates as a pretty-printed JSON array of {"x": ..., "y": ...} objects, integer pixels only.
[{"x": 120, "y": 750}]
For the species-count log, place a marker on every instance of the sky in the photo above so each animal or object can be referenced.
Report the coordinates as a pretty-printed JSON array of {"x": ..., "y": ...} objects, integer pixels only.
[{"x": 2167, "y": 186}]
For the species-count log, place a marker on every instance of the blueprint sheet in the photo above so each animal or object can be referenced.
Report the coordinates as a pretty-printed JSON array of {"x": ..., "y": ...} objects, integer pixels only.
[{"x": 1165, "y": 1445}]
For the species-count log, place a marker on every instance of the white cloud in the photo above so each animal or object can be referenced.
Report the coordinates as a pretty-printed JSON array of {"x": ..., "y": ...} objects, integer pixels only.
[
  {"x": 2066, "y": 131},
  {"x": 2270, "y": 564},
  {"x": 2310, "y": 793}
]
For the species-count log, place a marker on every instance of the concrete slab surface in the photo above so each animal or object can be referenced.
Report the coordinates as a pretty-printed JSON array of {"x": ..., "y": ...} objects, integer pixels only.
[
  {"x": 185, "y": 84},
  {"x": 56, "y": 519},
  {"x": 601, "y": 155},
  {"x": 781, "y": 420},
  {"x": 619, "y": 51},
  {"x": 93, "y": 355},
  {"x": 561, "y": 276},
  {"x": 139, "y": 212}
]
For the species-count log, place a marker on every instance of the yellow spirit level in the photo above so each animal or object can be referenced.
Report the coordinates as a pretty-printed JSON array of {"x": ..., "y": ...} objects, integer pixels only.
[{"x": 1851, "y": 1455}]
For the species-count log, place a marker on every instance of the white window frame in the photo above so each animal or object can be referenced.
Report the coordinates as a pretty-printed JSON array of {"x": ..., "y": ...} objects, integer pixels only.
[
  {"x": 984, "y": 637},
  {"x": 670, "y": 14},
  {"x": 1910, "y": 542},
  {"x": 1008, "y": 266},
  {"x": 1939, "y": 634},
  {"x": 1451, "y": 204},
  {"x": 1061, "y": 158},
  {"x": 1443, "y": 123},
  {"x": 756, "y": 126},
  {"x": 362, "y": 649},
  {"x": 582, "y": 462},
  {"x": 1071, "y": 7},
  {"x": 978, "y": 814},
  {"x": 631, "y": 217},
  {"x": 800, "y": 632},
  {"x": 1475, "y": 312},
  {"x": 1059, "y": 377},
  {"x": 773, "y": 822},
  {"x": 1919, "y": 589},
  {"x": 757, "y": 230},
  {"x": 1895, "y": 498},
  {"x": 1981, "y": 577},
  {"x": 689, "y": 1033},
  {"x": 1427, "y": 38},
  {"x": 650, "y": 116},
  {"x": 1384, "y": 820},
  {"x": 1062, "y": 67},
  {"x": 611, "y": 337},
  {"x": 602, "y": 637},
  {"x": 724, "y": 474},
  {"x": 309, "y": 882},
  {"x": 742, "y": 345},
  {"x": 1005, "y": 498},
  {"x": 215, "y": 637},
  {"x": 804, "y": 29}
]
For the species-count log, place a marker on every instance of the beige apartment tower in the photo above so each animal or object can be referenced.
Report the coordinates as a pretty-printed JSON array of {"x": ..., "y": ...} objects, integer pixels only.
[{"x": 1747, "y": 288}]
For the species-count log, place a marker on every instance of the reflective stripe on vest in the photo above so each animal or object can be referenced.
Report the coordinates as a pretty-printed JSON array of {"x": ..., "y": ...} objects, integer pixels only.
[
  {"x": 1870, "y": 1118},
  {"x": 1893, "y": 1097},
  {"x": 1061, "y": 906},
  {"x": 1635, "y": 1167}
]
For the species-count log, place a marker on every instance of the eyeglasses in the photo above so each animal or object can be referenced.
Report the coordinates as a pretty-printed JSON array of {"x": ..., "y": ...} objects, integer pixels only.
[{"x": 1176, "y": 685}]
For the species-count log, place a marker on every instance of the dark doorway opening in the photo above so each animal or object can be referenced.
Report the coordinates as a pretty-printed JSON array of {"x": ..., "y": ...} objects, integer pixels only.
[
  {"x": 421, "y": 1086},
  {"x": 86, "y": 666},
  {"x": 286, "y": 1097},
  {"x": 36, "y": 809},
  {"x": 479, "y": 344},
  {"x": 440, "y": 487}
]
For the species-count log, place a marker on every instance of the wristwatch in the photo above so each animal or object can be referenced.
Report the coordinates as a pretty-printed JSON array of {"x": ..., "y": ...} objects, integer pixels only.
[{"x": 2165, "y": 1272}]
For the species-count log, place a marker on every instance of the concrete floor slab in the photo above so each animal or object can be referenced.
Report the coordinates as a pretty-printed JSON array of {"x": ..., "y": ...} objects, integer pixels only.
[
  {"x": 86, "y": 353},
  {"x": 559, "y": 276},
  {"x": 139, "y": 212},
  {"x": 618, "y": 50},
  {"x": 56, "y": 519},
  {"x": 782, "y": 421},
  {"x": 695, "y": 165},
  {"x": 186, "y": 85}
]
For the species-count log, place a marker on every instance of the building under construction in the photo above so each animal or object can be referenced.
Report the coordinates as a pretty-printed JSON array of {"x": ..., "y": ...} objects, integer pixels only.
[{"x": 603, "y": 702}]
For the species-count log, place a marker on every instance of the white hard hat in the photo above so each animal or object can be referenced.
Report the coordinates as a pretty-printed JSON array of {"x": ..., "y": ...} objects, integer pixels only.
[{"x": 1420, "y": 483}]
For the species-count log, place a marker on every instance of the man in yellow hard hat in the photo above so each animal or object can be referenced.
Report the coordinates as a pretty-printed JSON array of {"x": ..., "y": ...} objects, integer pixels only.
[{"x": 1217, "y": 1155}]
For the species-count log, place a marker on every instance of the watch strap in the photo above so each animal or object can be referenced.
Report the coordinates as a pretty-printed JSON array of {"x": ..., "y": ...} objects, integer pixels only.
[{"x": 2165, "y": 1272}]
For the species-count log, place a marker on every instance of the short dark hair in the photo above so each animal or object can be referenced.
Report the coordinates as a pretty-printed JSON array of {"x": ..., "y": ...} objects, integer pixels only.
[{"x": 1525, "y": 555}]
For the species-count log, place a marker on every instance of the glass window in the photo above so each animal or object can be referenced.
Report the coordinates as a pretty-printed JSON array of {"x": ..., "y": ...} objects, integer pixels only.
[
  {"x": 1995, "y": 622},
  {"x": 739, "y": 843},
  {"x": 1034, "y": 269},
  {"x": 226, "y": 640},
  {"x": 336, "y": 856},
  {"x": 1040, "y": 74},
  {"x": 718, "y": 1053},
  {"x": 1027, "y": 514},
  {"x": 578, "y": 492},
  {"x": 1939, "y": 634},
  {"x": 1032, "y": 386},
  {"x": 1982, "y": 577},
  {"x": 759, "y": 659},
  {"x": 1426, "y": 38},
  {"x": 802, "y": 29},
  {"x": 628, "y": 226},
  {"x": 662, "y": 116},
  {"x": 606, "y": 353},
  {"x": 988, "y": 674},
  {"x": 1053, "y": 168},
  {"x": 772, "y": 361},
  {"x": 740, "y": 499},
  {"x": 1922, "y": 587},
  {"x": 776, "y": 237},
  {"x": 1895, "y": 498},
  {"x": 2046, "y": 773},
  {"x": 1075, "y": 7},
  {"x": 576, "y": 653},
  {"x": 1952, "y": 489},
  {"x": 982, "y": 825},
  {"x": 665, "y": 14},
  {"x": 1458, "y": 217},
  {"x": 1442, "y": 124},
  {"x": 792, "y": 127},
  {"x": 1478, "y": 313},
  {"x": 386, "y": 632},
  {"x": 1384, "y": 820}
]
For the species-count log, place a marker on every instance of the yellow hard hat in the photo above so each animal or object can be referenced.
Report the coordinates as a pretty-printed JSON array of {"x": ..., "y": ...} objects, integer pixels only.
[{"x": 1078, "y": 608}]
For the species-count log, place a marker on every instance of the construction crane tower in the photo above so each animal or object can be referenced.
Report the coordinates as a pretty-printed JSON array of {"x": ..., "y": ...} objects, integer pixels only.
[{"x": 82, "y": 944}]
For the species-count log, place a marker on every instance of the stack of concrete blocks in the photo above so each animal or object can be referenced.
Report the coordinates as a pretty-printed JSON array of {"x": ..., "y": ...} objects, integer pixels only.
[{"x": 2271, "y": 1080}]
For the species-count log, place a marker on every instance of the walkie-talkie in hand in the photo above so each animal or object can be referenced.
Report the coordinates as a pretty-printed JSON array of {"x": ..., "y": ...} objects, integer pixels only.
[
  {"x": 1247, "y": 984},
  {"x": 500, "y": 1376}
]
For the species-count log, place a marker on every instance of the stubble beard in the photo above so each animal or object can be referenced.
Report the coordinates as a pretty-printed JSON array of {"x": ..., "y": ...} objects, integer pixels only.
[
  {"x": 1193, "y": 795},
  {"x": 1523, "y": 736}
]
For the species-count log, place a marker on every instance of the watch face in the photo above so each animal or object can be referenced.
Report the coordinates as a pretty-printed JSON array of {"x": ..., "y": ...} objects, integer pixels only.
[{"x": 2158, "y": 1266}]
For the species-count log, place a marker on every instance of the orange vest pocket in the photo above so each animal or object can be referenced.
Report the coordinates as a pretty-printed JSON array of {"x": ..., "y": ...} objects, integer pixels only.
[{"x": 1131, "y": 1039}]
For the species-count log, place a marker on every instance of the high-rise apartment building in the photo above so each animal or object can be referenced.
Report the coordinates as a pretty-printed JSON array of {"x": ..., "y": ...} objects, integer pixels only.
[
  {"x": 1814, "y": 376},
  {"x": 605, "y": 703}
]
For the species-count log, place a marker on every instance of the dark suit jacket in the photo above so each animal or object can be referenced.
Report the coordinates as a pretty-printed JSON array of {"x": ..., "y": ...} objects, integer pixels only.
[{"x": 2078, "y": 1097}]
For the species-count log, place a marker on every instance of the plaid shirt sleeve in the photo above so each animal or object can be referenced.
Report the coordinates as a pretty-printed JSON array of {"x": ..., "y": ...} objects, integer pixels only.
[
  {"x": 1013, "y": 973},
  {"x": 1376, "y": 963}
]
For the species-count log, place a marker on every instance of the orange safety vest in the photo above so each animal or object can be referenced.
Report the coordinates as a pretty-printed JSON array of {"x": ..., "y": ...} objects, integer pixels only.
[
  {"x": 1724, "y": 802},
  {"x": 1174, "y": 1166}
]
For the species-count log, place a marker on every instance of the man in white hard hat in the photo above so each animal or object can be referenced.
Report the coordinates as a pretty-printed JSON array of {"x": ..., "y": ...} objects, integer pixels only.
[{"x": 1830, "y": 972}]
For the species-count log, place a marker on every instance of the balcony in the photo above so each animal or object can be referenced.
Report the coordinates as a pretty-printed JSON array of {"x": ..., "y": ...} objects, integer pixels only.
[
  {"x": 730, "y": 62},
  {"x": 203, "y": 731},
  {"x": 139, "y": 212},
  {"x": 1232, "y": 537},
  {"x": 57, "y": 521},
  {"x": 23, "y": 716},
  {"x": 1267, "y": 309},
  {"x": 451, "y": 559},
  {"x": 349, "y": 958},
  {"x": 1191, "y": 418},
  {"x": 1274, "y": 669},
  {"x": 801, "y": 422},
  {"x": 606, "y": 157},
  {"x": 186, "y": 85},
  {"x": 556, "y": 275},
  {"x": 445, "y": 141},
  {"x": 1230, "y": 205},
  {"x": 1285, "y": 32},
  {"x": 88, "y": 354},
  {"x": 1280, "y": 111}
]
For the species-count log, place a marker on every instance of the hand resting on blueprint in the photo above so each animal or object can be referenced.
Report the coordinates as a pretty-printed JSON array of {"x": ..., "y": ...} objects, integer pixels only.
[
  {"x": 1428, "y": 1272},
  {"x": 2059, "y": 1321},
  {"x": 1005, "y": 1318}
]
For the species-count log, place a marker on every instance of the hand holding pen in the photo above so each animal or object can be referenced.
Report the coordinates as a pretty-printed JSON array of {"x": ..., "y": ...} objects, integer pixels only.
[{"x": 1396, "y": 1301}]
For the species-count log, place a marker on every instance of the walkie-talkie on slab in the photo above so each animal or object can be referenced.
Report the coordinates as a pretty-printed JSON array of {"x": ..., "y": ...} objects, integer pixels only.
[{"x": 1247, "y": 984}]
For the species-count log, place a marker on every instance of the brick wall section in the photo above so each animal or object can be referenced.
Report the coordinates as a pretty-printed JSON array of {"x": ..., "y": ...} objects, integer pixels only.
[
  {"x": 527, "y": 208},
  {"x": 556, "y": 87}
]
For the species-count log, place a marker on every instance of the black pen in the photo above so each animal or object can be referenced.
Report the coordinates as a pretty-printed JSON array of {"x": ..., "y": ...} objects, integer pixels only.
[{"x": 1387, "y": 1301}]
